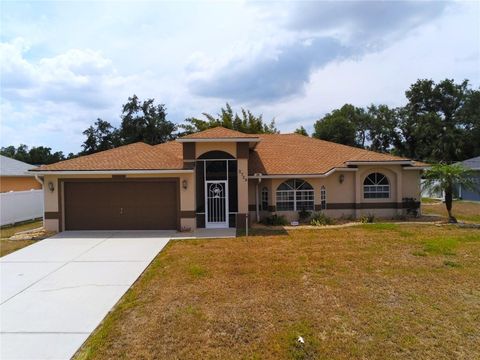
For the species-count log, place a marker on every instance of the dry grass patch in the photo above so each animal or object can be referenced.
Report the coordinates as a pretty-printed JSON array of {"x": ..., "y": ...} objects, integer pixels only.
[
  {"x": 9, "y": 246},
  {"x": 463, "y": 210},
  {"x": 358, "y": 292}
]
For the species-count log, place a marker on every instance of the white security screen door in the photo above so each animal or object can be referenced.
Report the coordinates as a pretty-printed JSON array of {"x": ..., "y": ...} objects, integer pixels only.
[{"x": 216, "y": 200}]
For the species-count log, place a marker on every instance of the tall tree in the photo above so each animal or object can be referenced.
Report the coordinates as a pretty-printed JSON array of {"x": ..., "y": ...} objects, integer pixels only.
[
  {"x": 337, "y": 129},
  {"x": 433, "y": 125},
  {"x": 35, "y": 156},
  {"x": 382, "y": 128},
  {"x": 145, "y": 121},
  {"x": 246, "y": 122},
  {"x": 100, "y": 136},
  {"x": 347, "y": 125}
]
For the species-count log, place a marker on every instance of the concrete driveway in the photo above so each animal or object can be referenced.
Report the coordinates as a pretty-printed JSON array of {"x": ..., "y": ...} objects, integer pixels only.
[{"x": 54, "y": 293}]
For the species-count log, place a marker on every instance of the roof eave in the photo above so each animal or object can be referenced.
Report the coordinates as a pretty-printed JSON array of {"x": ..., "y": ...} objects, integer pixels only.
[
  {"x": 111, "y": 172},
  {"x": 294, "y": 176},
  {"x": 383, "y": 162}
]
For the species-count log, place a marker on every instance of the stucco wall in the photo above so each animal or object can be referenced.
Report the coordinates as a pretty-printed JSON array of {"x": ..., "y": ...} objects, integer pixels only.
[
  {"x": 187, "y": 196},
  {"x": 18, "y": 183},
  {"x": 203, "y": 147},
  {"x": 346, "y": 198}
]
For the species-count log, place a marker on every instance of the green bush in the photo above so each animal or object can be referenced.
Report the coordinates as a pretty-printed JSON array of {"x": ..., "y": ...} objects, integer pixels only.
[
  {"x": 303, "y": 215},
  {"x": 367, "y": 219},
  {"x": 320, "y": 219},
  {"x": 275, "y": 220}
]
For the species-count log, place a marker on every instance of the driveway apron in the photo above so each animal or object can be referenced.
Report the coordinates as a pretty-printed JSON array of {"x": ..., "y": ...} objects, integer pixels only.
[{"x": 55, "y": 293}]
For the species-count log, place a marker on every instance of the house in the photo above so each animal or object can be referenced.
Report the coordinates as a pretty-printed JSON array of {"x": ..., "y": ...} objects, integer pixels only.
[
  {"x": 14, "y": 176},
  {"x": 468, "y": 194},
  {"x": 219, "y": 177}
]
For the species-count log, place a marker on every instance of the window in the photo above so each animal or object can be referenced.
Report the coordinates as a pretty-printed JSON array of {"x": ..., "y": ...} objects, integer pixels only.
[
  {"x": 323, "y": 197},
  {"x": 376, "y": 186},
  {"x": 265, "y": 199},
  {"x": 295, "y": 195}
]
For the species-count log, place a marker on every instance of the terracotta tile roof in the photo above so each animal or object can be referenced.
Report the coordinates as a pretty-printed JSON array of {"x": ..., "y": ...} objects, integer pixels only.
[
  {"x": 221, "y": 133},
  {"x": 136, "y": 156},
  {"x": 275, "y": 154},
  {"x": 297, "y": 154}
]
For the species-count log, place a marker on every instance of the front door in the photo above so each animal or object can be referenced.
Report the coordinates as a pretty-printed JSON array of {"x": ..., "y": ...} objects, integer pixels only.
[{"x": 216, "y": 200}]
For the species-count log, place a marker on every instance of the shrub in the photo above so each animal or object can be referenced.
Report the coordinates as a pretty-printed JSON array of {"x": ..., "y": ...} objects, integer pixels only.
[
  {"x": 275, "y": 220},
  {"x": 320, "y": 219},
  {"x": 303, "y": 215},
  {"x": 367, "y": 219}
]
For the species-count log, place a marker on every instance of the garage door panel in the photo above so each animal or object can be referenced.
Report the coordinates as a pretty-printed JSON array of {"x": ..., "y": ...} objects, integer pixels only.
[{"x": 123, "y": 205}]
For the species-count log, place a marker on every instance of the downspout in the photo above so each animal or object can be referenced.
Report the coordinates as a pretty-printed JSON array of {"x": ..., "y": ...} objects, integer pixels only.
[{"x": 39, "y": 179}]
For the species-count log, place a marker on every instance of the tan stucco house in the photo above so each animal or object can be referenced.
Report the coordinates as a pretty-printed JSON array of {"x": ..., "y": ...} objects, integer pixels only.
[{"x": 218, "y": 177}]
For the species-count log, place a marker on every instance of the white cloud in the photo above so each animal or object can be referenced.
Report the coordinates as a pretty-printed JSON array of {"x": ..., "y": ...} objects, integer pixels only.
[{"x": 62, "y": 67}]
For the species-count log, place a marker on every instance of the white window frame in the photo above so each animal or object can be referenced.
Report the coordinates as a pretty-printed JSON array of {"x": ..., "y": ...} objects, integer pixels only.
[
  {"x": 374, "y": 189},
  {"x": 323, "y": 197},
  {"x": 295, "y": 195}
]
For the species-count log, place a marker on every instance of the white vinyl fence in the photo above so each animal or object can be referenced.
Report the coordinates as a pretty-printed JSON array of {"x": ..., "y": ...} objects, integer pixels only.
[{"x": 18, "y": 206}]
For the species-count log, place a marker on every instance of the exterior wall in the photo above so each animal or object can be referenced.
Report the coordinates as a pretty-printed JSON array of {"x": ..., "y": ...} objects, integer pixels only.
[
  {"x": 52, "y": 220},
  {"x": 345, "y": 199},
  {"x": 18, "y": 183},
  {"x": 203, "y": 147}
]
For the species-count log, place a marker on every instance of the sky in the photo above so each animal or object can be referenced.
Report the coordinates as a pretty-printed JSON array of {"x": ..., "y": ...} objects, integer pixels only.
[{"x": 64, "y": 64}]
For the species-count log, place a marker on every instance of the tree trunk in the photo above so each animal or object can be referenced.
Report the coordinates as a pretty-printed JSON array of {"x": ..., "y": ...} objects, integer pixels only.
[{"x": 448, "y": 204}]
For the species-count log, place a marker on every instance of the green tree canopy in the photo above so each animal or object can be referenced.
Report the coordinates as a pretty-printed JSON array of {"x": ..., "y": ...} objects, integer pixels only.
[
  {"x": 339, "y": 130},
  {"x": 100, "y": 136},
  {"x": 246, "y": 122},
  {"x": 36, "y": 155},
  {"x": 301, "y": 131},
  {"x": 438, "y": 121},
  {"x": 145, "y": 121}
]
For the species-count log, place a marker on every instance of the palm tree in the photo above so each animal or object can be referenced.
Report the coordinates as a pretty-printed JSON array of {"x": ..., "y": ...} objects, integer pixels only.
[{"x": 443, "y": 178}]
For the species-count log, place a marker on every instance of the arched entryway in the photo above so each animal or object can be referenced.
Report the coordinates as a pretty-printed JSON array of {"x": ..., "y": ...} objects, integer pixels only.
[{"x": 217, "y": 202}]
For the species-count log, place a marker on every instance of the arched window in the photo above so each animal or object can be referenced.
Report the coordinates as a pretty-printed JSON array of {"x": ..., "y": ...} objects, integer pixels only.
[
  {"x": 265, "y": 199},
  {"x": 295, "y": 195},
  {"x": 323, "y": 197},
  {"x": 376, "y": 186}
]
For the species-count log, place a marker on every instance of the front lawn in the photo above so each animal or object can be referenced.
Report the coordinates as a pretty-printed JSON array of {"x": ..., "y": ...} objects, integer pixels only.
[
  {"x": 370, "y": 291},
  {"x": 9, "y": 246},
  {"x": 468, "y": 211}
]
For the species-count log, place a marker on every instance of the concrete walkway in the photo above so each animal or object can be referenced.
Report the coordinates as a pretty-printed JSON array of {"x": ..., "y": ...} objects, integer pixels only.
[{"x": 55, "y": 293}]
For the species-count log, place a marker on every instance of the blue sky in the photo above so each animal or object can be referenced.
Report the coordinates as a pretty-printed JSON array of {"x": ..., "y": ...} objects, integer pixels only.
[{"x": 64, "y": 64}]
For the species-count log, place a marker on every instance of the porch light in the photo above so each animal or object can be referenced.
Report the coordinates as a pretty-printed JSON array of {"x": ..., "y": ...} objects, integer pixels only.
[
  {"x": 51, "y": 187},
  {"x": 341, "y": 178},
  {"x": 184, "y": 184}
]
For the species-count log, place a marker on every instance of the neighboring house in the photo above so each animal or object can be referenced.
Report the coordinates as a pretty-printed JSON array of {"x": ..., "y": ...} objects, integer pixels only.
[
  {"x": 21, "y": 197},
  {"x": 468, "y": 194},
  {"x": 14, "y": 176},
  {"x": 218, "y": 177}
]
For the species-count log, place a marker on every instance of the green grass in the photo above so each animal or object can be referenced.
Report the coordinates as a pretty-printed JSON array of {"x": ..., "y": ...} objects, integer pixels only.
[
  {"x": 9, "y": 246},
  {"x": 441, "y": 246},
  {"x": 197, "y": 271},
  {"x": 380, "y": 226},
  {"x": 363, "y": 292},
  {"x": 426, "y": 200},
  {"x": 7, "y": 231}
]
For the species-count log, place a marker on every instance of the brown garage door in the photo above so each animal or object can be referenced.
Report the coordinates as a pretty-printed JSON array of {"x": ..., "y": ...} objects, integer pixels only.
[{"x": 121, "y": 205}]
